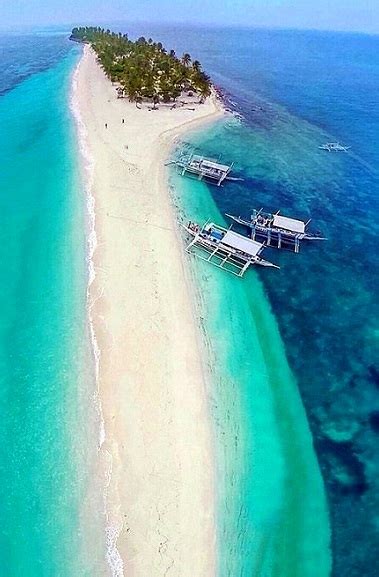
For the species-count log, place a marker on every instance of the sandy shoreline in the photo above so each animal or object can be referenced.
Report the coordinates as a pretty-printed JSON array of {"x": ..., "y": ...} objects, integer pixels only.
[{"x": 160, "y": 500}]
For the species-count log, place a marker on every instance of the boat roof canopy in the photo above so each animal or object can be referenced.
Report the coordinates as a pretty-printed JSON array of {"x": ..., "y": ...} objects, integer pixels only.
[
  {"x": 289, "y": 223},
  {"x": 222, "y": 167},
  {"x": 211, "y": 163},
  {"x": 235, "y": 240}
]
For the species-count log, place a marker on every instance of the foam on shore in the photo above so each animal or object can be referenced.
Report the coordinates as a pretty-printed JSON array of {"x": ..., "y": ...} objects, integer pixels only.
[{"x": 111, "y": 532}]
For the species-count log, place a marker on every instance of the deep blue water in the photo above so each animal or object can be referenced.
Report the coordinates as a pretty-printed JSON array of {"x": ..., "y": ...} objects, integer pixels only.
[
  {"x": 294, "y": 91},
  {"x": 27, "y": 54}
]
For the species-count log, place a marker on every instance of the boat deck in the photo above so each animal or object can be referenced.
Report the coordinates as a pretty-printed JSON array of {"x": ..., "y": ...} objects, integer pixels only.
[
  {"x": 225, "y": 248},
  {"x": 205, "y": 168},
  {"x": 220, "y": 256},
  {"x": 276, "y": 230}
]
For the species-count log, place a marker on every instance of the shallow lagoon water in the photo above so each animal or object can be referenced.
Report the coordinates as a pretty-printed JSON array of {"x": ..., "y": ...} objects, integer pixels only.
[{"x": 272, "y": 511}]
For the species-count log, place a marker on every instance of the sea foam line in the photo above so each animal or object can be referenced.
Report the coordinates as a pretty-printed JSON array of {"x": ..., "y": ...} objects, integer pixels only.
[{"x": 112, "y": 532}]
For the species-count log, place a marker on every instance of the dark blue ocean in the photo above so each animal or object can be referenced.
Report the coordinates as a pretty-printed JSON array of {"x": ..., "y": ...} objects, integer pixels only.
[{"x": 294, "y": 91}]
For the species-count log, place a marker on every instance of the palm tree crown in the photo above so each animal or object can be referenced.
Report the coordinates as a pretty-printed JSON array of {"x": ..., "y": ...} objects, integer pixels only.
[{"x": 186, "y": 59}]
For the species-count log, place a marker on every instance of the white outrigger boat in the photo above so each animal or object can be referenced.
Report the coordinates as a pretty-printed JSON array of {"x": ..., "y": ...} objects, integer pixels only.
[
  {"x": 334, "y": 147},
  {"x": 277, "y": 229},
  {"x": 205, "y": 168},
  {"x": 225, "y": 248}
]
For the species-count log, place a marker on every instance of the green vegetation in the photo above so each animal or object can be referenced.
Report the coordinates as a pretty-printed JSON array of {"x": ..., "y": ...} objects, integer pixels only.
[{"x": 144, "y": 69}]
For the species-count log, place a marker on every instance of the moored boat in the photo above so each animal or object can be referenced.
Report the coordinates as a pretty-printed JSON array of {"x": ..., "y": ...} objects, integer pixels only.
[
  {"x": 334, "y": 147},
  {"x": 204, "y": 168},
  {"x": 225, "y": 248},
  {"x": 277, "y": 229}
]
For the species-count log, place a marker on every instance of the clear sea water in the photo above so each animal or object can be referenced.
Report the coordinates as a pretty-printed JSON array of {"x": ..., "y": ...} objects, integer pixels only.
[
  {"x": 51, "y": 522},
  {"x": 307, "y": 332},
  {"x": 294, "y": 91}
]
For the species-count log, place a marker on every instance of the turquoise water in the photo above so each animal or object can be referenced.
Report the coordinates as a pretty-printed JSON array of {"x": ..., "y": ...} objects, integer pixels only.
[
  {"x": 272, "y": 512},
  {"x": 49, "y": 522}
]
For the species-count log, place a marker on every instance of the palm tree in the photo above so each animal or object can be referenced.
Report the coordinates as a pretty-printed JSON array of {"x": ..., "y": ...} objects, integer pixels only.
[
  {"x": 204, "y": 91},
  {"x": 186, "y": 59},
  {"x": 196, "y": 66}
]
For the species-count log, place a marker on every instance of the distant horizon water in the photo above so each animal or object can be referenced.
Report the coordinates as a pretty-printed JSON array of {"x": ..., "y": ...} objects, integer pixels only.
[{"x": 66, "y": 27}]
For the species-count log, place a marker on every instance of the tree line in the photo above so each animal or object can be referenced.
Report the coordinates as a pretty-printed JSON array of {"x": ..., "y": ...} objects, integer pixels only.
[{"x": 144, "y": 68}]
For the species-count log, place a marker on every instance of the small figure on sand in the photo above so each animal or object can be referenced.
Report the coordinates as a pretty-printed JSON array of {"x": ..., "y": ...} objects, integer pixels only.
[
  {"x": 106, "y": 125},
  {"x": 123, "y": 121}
]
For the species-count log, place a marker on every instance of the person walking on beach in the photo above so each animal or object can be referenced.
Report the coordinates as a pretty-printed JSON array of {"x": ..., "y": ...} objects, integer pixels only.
[
  {"x": 106, "y": 125},
  {"x": 123, "y": 121}
]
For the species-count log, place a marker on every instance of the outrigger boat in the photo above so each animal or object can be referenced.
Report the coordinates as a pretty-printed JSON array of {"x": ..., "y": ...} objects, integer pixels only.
[
  {"x": 225, "y": 248},
  {"x": 204, "y": 168},
  {"x": 277, "y": 229},
  {"x": 334, "y": 147}
]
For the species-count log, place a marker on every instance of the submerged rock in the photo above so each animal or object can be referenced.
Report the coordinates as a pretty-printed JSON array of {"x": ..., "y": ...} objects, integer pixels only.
[
  {"x": 341, "y": 431},
  {"x": 374, "y": 421},
  {"x": 345, "y": 470},
  {"x": 374, "y": 375}
]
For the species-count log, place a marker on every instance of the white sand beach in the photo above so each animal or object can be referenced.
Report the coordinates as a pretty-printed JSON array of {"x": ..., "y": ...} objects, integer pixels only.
[{"x": 151, "y": 382}]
